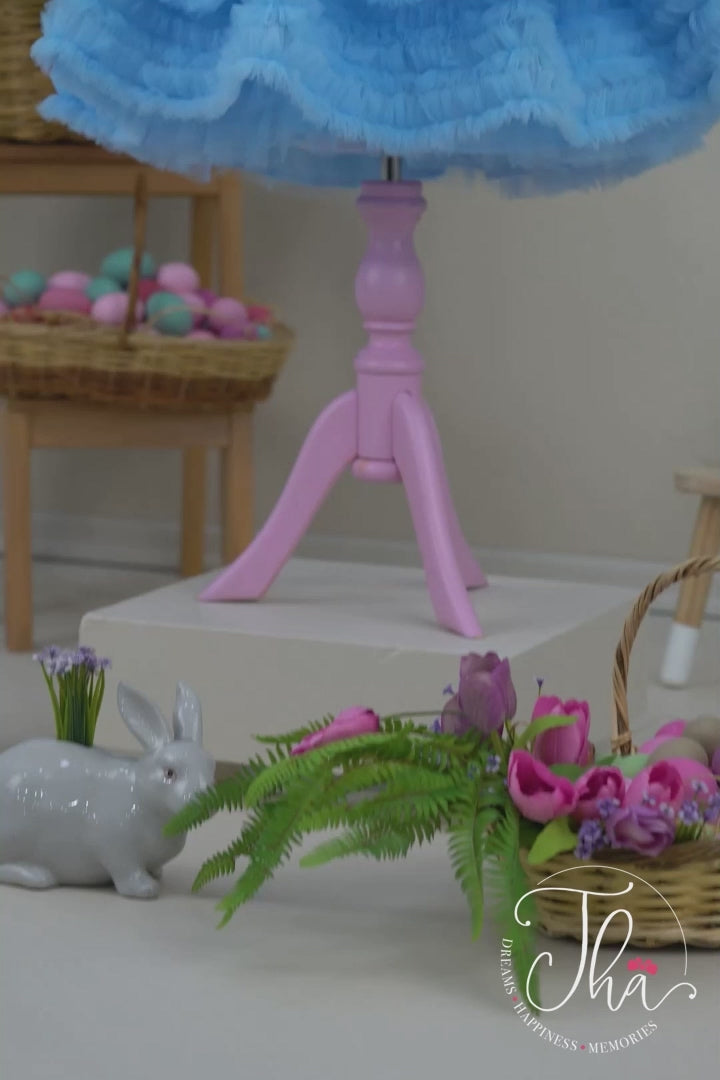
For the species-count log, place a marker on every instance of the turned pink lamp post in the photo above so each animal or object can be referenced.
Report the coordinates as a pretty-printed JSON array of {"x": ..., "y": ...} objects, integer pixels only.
[{"x": 383, "y": 430}]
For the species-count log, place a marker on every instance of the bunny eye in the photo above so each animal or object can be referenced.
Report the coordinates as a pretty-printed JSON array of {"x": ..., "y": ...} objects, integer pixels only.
[{"x": 169, "y": 774}]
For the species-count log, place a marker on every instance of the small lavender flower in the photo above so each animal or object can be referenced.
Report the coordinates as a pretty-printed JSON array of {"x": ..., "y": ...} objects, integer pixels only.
[
  {"x": 591, "y": 837},
  {"x": 50, "y": 652},
  {"x": 492, "y": 765},
  {"x": 448, "y": 690},
  {"x": 436, "y": 726},
  {"x": 712, "y": 809},
  {"x": 540, "y": 683},
  {"x": 606, "y": 806},
  {"x": 648, "y": 799},
  {"x": 666, "y": 810},
  {"x": 699, "y": 787},
  {"x": 689, "y": 813}
]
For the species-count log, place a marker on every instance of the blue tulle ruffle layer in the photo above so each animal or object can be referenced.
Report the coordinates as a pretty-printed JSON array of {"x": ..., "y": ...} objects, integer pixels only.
[{"x": 536, "y": 94}]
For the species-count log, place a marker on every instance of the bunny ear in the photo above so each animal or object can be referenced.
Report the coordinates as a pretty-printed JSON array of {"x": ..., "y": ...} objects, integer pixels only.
[
  {"x": 144, "y": 719},
  {"x": 187, "y": 717}
]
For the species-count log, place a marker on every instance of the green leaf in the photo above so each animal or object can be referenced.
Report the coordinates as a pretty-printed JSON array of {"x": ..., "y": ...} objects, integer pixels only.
[
  {"x": 568, "y": 770},
  {"x": 540, "y": 724},
  {"x": 631, "y": 765},
  {"x": 557, "y": 836}
]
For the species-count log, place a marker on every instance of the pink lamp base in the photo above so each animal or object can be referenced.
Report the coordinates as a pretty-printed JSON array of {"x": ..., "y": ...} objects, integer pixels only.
[{"x": 383, "y": 429}]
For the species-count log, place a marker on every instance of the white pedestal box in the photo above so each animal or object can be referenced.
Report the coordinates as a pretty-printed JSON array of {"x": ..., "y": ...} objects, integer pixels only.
[{"x": 331, "y": 635}]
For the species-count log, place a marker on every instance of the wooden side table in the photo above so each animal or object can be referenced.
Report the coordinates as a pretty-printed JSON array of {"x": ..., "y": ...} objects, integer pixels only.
[
  {"x": 682, "y": 642},
  {"x": 215, "y": 237}
]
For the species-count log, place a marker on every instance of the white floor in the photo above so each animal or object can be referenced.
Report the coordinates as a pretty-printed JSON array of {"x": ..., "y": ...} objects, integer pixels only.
[
  {"x": 63, "y": 593},
  {"x": 353, "y": 970}
]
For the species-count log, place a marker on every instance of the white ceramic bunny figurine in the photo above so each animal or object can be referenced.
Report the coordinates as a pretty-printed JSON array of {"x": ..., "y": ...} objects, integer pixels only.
[{"x": 76, "y": 815}]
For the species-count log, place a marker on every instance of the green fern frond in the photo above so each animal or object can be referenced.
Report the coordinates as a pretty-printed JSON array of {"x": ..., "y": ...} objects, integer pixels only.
[
  {"x": 378, "y": 843},
  {"x": 289, "y": 770},
  {"x": 420, "y": 795},
  {"x": 227, "y": 794},
  {"x": 291, "y": 737},
  {"x": 278, "y": 831},
  {"x": 223, "y": 863},
  {"x": 467, "y": 845},
  {"x": 507, "y": 882}
]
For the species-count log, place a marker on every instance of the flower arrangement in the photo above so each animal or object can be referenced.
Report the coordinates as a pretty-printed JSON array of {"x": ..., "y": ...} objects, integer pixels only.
[
  {"x": 494, "y": 787},
  {"x": 76, "y": 683}
]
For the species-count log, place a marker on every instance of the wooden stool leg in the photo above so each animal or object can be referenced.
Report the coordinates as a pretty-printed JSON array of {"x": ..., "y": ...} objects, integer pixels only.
[
  {"x": 202, "y": 229},
  {"x": 680, "y": 650},
  {"x": 192, "y": 552},
  {"x": 18, "y": 531},
  {"x": 237, "y": 487},
  {"x": 231, "y": 236}
]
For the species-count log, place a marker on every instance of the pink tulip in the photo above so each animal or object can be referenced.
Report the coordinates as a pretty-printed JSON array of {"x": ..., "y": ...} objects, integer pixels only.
[
  {"x": 668, "y": 782},
  {"x": 563, "y": 745},
  {"x": 538, "y": 794},
  {"x": 602, "y": 783},
  {"x": 672, "y": 730},
  {"x": 350, "y": 722}
]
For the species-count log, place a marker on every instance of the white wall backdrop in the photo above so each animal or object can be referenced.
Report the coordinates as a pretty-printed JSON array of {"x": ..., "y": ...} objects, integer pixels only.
[{"x": 573, "y": 349}]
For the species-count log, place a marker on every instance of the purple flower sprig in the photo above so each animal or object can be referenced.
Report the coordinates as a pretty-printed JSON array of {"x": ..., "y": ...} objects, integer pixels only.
[{"x": 75, "y": 679}]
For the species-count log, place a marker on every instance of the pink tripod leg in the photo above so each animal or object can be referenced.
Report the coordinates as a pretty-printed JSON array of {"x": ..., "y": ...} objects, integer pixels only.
[
  {"x": 330, "y": 447},
  {"x": 415, "y": 453},
  {"x": 472, "y": 575}
]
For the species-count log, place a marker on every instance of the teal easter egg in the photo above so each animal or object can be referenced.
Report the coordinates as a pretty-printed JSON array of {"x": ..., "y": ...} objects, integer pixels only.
[
  {"x": 263, "y": 333},
  {"x": 170, "y": 314},
  {"x": 118, "y": 265},
  {"x": 100, "y": 286},
  {"x": 24, "y": 287}
]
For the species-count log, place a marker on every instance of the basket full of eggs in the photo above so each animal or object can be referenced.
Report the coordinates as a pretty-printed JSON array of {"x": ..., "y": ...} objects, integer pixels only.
[{"x": 137, "y": 335}]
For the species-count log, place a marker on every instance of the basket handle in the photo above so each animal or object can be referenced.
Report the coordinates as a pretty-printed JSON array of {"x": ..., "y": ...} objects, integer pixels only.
[
  {"x": 621, "y": 738},
  {"x": 140, "y": 208}
]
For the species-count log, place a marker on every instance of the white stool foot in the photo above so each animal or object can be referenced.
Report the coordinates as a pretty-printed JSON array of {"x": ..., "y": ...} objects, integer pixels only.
[{"x": 679, "y": 655}]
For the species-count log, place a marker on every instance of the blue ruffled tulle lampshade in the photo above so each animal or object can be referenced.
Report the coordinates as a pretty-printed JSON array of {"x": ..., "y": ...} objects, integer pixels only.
[{"x": 537, "y": 95}]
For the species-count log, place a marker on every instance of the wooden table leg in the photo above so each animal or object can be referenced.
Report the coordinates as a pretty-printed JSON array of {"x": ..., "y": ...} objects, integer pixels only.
[
  {"x": 18, "y": 530},
  {"x": 685, "y": 630},
  {"x": 706, "y": 541},
  {"x": 192, "y": 551},
  {"x": 237, "y": 487}
]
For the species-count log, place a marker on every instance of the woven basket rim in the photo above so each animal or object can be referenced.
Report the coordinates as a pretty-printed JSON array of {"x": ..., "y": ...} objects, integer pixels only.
[{"x": 674, "y": 855}]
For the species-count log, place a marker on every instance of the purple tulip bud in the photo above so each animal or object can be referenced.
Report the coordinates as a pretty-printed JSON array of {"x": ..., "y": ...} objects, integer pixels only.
[{"x": 485, "y": 699}]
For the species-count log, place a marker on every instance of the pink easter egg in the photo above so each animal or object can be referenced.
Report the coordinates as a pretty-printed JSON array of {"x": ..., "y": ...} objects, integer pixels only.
[
  {"x": 111, "y": 309},
  {"x": 202, "y": 335},
  {"x": 197, "y": 305},
  {"x": 147, "y": 287},
  {"x": 258, "y": 314},
  {"x": 57, "y": 299},
  {"x": 234, "y": 332},
  {"x": 69, "y": 279},
  {"x": 225, "y": 312},
  {"x": 207, "y": 296},
  {"x": 178, "y": 277}
]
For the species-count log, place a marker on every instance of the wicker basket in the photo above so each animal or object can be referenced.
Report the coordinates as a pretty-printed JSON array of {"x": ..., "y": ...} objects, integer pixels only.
[
  {"x": 686, "y": 877},
  {"x": 72, "y": 358},
  {"x": 22, "y": 85}
]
